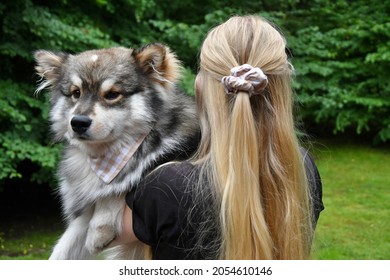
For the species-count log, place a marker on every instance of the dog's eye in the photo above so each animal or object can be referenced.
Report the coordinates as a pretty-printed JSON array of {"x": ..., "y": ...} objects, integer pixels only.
[
  {"x": 76, "y": 93},
  {"x": 111, "y": 95}
]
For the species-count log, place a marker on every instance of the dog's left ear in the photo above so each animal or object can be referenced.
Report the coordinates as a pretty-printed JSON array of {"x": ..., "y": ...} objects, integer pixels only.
[{"x": 159, "y": 63}]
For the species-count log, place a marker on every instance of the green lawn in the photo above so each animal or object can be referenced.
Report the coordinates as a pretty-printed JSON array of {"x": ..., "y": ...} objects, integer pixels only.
[
  {"x": 356, "y": 192},
  {"x": 354, "y": 225},
  {"x": 29, "y": 238}
]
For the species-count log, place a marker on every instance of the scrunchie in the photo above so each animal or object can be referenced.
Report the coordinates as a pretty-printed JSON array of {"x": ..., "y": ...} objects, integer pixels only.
[{"x": 245, "y": 78}]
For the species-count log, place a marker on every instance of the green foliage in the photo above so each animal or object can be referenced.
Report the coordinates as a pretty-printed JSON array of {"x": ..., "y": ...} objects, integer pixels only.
[
  {"x": 24, "y": 135},
  {"x": 340, "y": 50},
  {"x": 342, "y": 65}
]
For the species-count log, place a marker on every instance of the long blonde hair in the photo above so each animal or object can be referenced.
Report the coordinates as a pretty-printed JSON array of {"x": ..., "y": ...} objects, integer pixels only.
[{"x": 249, "y": 150}]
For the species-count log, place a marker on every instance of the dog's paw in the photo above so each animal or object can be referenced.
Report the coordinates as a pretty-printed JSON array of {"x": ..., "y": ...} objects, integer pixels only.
[{"x": 99, "y": 237}]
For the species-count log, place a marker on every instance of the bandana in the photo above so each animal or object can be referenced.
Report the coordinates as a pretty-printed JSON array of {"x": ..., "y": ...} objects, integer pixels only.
[{"x": 108, "y": 166}]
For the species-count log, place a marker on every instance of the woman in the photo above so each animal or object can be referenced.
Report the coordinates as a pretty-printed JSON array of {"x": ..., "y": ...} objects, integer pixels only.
[{"x": 250, "y": 192}]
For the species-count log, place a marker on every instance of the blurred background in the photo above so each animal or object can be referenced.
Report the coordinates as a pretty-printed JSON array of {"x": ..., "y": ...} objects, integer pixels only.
[{"x": 341, "y": 53}]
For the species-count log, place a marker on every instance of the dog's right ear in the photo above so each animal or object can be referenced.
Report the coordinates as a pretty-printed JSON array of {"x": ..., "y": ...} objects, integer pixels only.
[{"x": 48, "y": 67}]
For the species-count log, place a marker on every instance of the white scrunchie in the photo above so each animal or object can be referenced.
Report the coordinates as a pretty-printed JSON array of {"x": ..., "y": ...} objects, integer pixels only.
[{"x": 245, "y": 78}]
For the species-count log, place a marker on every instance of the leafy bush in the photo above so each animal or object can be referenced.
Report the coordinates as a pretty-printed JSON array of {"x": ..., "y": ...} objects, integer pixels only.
[
  {"x": 340, "y": 50},
  {"x": 24, "y": 135},
  {"x": 342, "y": 65}
]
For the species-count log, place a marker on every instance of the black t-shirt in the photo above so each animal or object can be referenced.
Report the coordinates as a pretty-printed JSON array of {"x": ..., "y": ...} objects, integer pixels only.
[{"x": 160, "y": 205}]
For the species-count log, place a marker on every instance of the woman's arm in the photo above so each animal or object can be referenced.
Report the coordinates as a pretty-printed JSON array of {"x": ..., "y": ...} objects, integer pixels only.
[{"x": 127, "y": 235}]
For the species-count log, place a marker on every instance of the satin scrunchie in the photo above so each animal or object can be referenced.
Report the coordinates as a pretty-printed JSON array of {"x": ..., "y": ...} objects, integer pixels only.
[{"x": 245, "y": 78}]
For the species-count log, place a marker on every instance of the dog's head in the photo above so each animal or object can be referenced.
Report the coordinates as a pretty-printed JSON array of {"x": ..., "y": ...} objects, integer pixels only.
[{"x": 98, "y": 95}]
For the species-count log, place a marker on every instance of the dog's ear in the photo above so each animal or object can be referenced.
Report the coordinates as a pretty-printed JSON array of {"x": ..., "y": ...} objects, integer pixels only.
[
  {"x": 159, "y": 63},
  {"x": 48, "y": 67}
]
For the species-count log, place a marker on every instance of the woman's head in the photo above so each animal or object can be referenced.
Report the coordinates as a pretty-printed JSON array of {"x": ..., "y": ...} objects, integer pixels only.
[{"x": 243, "y": 40}]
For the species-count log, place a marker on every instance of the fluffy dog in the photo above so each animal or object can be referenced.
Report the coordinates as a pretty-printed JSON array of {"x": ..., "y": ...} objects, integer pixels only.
[{"x": 119, "y": 114}]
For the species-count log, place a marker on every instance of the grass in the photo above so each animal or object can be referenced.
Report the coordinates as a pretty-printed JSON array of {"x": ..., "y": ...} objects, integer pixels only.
[
  {"x": 354, "y": 225},
  {"x": 29, "y": 238}
]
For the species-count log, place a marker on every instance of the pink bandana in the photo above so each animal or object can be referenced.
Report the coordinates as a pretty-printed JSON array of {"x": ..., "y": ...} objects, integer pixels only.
[{"x": 108, "y": 166}]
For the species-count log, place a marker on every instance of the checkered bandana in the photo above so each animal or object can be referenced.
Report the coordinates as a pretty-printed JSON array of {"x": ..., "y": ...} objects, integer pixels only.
[{"x": 108, "y": 166}]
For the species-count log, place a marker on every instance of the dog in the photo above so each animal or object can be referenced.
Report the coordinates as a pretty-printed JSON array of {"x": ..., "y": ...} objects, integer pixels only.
[{"x": 119, "y": 114}]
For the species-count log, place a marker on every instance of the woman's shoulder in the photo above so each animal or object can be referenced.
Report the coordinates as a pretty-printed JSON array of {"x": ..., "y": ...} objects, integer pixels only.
[
  {"x": 170, "y": 172},
  {"x": 310, "y": 166},
  {"x": 168, "y": 181},
  {"x": 315, "y": 182},
  {"x": 175, "y": 167}
]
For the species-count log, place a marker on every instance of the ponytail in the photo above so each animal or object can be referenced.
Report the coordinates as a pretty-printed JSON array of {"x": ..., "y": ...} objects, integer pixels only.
[{"x": 243, "y": 221}]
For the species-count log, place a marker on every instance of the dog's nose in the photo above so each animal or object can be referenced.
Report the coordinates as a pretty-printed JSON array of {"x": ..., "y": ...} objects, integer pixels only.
[{"x": 80, "y": 123}]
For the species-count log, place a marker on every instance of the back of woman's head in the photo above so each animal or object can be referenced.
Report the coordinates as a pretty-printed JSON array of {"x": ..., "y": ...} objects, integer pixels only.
[
  {"x": 245, "y": 40},
  {"x": 249, "y": 147},
  {"x": 241, "y": 40}
]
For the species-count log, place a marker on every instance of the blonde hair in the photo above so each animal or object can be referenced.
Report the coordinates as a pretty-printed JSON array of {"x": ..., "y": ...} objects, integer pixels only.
[{"x": 249, "y": 150}]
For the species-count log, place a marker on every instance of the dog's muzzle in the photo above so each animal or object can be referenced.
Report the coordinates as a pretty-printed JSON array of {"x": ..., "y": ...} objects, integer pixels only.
[{"x": 80, "y": 123}]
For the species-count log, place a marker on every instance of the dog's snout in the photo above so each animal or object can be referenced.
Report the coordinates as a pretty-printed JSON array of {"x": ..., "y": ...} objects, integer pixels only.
[{"x": 80, "y": 123}]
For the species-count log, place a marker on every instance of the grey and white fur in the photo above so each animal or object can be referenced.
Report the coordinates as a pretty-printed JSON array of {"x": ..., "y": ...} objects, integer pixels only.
[{"x": 99, "y": 100}]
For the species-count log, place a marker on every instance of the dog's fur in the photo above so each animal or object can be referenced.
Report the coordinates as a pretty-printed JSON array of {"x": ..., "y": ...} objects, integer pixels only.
[{"x": 121, "y": 92}]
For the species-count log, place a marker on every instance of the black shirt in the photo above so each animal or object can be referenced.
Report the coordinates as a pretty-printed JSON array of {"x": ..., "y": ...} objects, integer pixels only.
[{"x": 160, "y": 205}]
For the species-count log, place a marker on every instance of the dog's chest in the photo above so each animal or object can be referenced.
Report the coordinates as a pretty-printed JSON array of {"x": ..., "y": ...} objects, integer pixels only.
[
  {"x": 80, "y": 183},
  {"x": 78, "y": 179}
]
